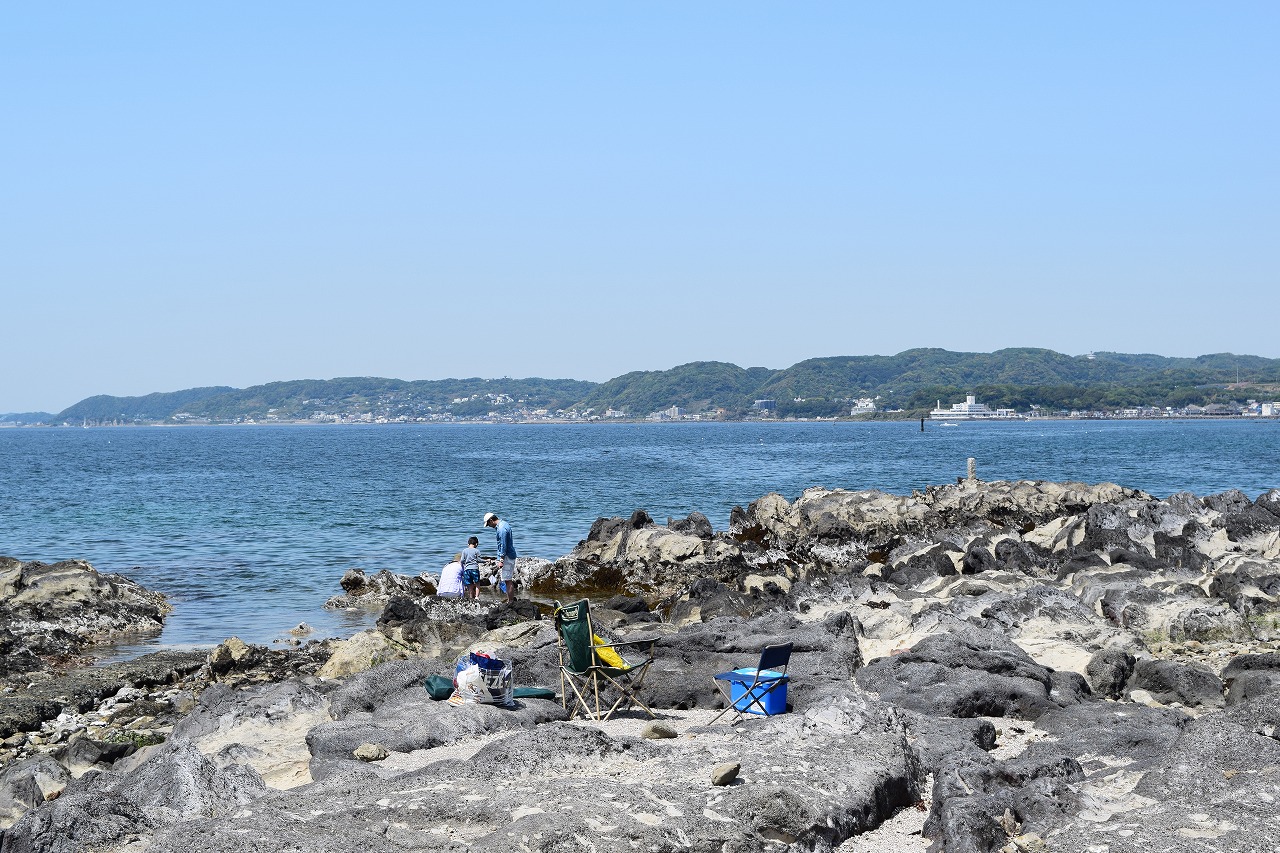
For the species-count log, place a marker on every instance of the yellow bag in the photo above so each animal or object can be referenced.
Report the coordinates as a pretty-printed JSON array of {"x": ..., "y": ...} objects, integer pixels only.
[{"x": 608, "y": 654}]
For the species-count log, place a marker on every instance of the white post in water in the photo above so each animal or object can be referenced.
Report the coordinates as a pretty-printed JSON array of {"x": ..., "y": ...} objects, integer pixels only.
[{"x": 973, "y": 468}]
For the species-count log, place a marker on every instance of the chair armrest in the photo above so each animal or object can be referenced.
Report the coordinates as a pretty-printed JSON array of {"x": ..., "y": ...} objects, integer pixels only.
[{"x": 649, "y": 642}]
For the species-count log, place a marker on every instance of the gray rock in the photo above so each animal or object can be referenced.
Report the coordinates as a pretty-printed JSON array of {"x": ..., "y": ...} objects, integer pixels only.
[
  {"x": 725, "y": 774},
  {"x": 178, "y": 783},
  {"x": 707, "y": 599},
  {"x": 222, "y": 708},
  {"x": 979, "y": 557},
  {"x": 970, "y": 673},
  {"x": 823, "y": 654},
  {"x": 1015, "y": 555},
  {"x": 1270, "y": 501},
  {"x": 442, "y": 627},
  {"x": 83, "y": 753},
  {"x": 696, "y": 524},
  {"x": 1268, "y": 661},
  {"x": 1108, "y": 672},
  {"x": 1241, "y": 517},
  {"x": 631, "y": 605},
  {"x": 635, "y": 556},
  {"x": 933, "y": 562},
  {"x": 76, "y": 823},
  {"x": 17, "y": 654},
  {"x": 27, "y": 784},
  {"x": 412, "y": 721},
  {"x": 1212, "y": 790},
  {"x": 525, "y": 791},
  {"x": 82, "y": 689},
  {"x": 1251, "y": 684},
  {"x": 1251, "y": 587},
  {"x": 657, "y": 731},
  {"x": 1193, "y": 685},
  {"x": 1068, "y": 688},
  {"x": 1124, "y": 732},
  {"x": 971, "y": 799},
  {"x": 374, "y": 688},
  {"x": 940, "y": 740},
  {"x": 72, "y": 595},
  {"x": 374, "y": 591},
  {"x": 1178, "y": 551}
]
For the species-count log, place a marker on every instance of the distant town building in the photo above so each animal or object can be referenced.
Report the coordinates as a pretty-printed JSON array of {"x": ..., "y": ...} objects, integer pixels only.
[
  {"x": 674, "y": 412},
  {"x": 863, "y": 406},
  {"x": 970, "y": 409},
  {"x": 1270, "y": 410},
  {"x": 765, "y": 405}
]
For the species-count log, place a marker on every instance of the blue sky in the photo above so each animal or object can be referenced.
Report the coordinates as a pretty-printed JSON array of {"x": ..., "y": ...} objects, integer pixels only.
[{"x": 235, "y": 193}]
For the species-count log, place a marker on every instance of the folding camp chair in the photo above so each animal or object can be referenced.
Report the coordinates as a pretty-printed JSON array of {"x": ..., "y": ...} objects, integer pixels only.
[
  {"x": 590, "y": 665},
  {"x": 762, "y": 690}
]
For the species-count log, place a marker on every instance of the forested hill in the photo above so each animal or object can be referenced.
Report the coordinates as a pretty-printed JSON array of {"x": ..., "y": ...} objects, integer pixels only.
[
  {"x": 320, "y": 398},
  {"x": 912, "y": 381},
  {"x": 698, "y": 386},
  {"x": 916, "y": 379}
]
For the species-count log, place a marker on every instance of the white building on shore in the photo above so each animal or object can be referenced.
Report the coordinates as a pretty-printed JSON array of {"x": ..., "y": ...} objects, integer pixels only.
[{"x": 971, "y": 410}]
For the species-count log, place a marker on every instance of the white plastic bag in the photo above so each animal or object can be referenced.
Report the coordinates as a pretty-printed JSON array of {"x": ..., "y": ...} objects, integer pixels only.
[
  {"x": 471, "y": 685},
  {"x": 484, "y": 680}
]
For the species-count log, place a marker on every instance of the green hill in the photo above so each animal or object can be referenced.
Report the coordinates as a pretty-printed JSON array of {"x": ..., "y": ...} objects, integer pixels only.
[
  {"x": 24, "y": 418},
  {"x": 149, "y": 407},
  {"x": 697, "y": 386},
  {"x": 913, "y": 381},
  {"x": 348, "y": 396}
]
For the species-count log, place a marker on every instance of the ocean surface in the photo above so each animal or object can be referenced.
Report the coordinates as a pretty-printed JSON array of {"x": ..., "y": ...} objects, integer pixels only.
[{"x": 248, "y": 529}]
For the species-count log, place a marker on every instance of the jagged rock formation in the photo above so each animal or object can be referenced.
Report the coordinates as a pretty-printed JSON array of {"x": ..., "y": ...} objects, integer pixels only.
[
  {"x": 1042, "y": 666},
  {"x": 50, "y": 612}
]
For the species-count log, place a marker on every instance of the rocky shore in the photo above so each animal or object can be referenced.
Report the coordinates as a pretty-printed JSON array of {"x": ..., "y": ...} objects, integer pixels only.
[{"x": 985, "y": 666}]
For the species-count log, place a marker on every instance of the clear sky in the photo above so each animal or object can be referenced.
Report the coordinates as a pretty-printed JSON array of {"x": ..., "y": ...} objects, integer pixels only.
[{"x": 234, "y": 193}]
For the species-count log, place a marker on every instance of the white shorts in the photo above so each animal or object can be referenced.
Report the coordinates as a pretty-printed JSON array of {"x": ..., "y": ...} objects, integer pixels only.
[{"x": 508, "y": 570}]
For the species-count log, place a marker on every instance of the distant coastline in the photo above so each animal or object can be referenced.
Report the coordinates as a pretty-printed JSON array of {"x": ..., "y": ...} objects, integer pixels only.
[
  {"x": 912, "y": 384},
  {"x": 930, "y": 423}
]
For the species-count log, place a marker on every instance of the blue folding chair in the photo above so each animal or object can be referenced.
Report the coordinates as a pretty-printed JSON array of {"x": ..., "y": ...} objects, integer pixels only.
[{"x": 762, "y": 690}]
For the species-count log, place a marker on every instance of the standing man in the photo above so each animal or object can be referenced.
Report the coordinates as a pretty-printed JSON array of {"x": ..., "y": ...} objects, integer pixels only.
[{"x": 506, "y": 553}]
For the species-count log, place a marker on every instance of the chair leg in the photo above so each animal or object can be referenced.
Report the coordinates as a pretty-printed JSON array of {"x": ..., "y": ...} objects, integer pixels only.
[
  {"x": 729, "y": 705},
  {"x": 627, "y": 693},
  {"x": 581, "y": 704},
  {"x": 754, "y": 697}
]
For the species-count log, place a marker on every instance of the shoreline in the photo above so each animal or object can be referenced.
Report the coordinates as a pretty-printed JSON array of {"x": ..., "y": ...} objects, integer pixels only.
[{"x": 1273, "y": 419}]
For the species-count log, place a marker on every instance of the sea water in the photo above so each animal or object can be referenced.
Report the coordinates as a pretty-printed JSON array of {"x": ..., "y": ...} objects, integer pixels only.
[{"x": 248, "y": 529}]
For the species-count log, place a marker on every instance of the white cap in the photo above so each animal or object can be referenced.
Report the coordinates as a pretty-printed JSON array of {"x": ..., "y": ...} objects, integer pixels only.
[{"x": 487, "y": 516}]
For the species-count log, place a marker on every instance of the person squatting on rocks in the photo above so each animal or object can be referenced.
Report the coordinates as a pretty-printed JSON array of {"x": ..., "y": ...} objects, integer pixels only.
[
  {"x": 451, "y": 583},
  {"x": 506, "y": 553},
  {"x": 470, "y": 558}
]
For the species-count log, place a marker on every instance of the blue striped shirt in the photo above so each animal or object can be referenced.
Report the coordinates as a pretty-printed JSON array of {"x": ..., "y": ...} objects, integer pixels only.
[{"x": 506, "y": 548}]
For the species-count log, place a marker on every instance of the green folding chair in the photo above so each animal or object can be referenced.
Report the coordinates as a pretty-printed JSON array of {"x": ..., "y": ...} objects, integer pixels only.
[{"x": 592, "y": 667}]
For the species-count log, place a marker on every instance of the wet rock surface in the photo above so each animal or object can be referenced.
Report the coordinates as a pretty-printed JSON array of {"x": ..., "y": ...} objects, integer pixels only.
[
  {"x": 1036, "y": 666},
  {"x": 50, "y": 613}
]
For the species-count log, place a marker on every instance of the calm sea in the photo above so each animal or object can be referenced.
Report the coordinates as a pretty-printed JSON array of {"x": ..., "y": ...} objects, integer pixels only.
[{"x": 249, "y": 529}]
